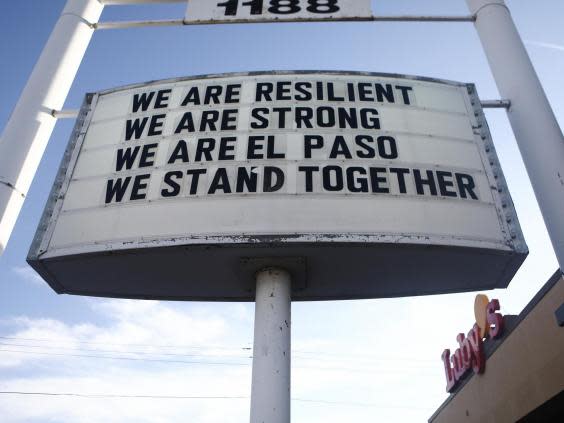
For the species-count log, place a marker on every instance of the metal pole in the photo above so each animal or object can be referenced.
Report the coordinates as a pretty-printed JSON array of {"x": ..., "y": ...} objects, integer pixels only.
[
  {"x": 28, "y": 130},
  {"x": 270, "y": 392},
  {"x": 535, "y": 127},
  {"x": 178, "y": 22}
]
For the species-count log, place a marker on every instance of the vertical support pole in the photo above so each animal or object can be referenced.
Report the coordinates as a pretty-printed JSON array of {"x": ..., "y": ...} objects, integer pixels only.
[
  {"x": 30, "y": 126},
  {"x": 535, "y": 127},
  {"x": 270, "y": 392}
]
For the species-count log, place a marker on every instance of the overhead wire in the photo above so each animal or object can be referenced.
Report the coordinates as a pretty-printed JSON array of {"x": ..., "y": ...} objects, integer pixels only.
[
  {"x": 122, "y": 352},
  {"x": 217, "y": 347},
  {"x": 363, "y": 370},
  {"x": 295, "y": 353},
  {"x": 126, "y": 358},
  {"x": 185, "y": 397}
]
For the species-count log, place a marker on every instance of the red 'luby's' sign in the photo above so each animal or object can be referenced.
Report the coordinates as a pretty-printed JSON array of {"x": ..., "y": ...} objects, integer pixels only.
[{"x": 470, "y": 354}]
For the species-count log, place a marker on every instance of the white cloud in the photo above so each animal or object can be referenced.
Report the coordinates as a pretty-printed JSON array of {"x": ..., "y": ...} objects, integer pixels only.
[
  {"x": 129, "y": 322},
  {"x": 215, "y": 333}
]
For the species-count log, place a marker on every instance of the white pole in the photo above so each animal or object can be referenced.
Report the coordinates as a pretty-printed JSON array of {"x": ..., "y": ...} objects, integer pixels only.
[
  {"x": 535, "y": 127},
  {"x": 270, "y": 392},
  {"x": 30, "y": 126}
]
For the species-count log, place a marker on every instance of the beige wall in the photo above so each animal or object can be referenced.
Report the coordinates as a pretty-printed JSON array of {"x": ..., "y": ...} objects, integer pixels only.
[{"x": 526, "y": 370}]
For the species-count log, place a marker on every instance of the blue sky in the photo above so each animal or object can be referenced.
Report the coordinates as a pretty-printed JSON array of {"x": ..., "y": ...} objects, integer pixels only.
[{"x": 378, "y": 359}]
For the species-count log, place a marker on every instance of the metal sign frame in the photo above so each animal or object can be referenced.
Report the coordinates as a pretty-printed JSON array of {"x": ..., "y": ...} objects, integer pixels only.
[{"x": 234, "y": 249}]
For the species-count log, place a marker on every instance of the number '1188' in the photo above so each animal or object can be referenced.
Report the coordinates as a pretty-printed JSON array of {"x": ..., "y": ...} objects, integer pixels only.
[{"x": 281, "y": 7}]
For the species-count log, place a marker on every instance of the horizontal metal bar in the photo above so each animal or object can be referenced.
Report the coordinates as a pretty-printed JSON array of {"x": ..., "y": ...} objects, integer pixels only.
[
  {"x": 65, "y": 114},
  {"x": 137, "y": 24},
  {"x": 128, "y": 2},
  {"x": 415, "y": 18},
  {"x": 178, "y": 22},
  {"x": 496, "y": 104}
]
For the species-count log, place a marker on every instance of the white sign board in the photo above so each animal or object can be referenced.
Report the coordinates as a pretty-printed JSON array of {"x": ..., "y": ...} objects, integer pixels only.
[
  {"x": 283, "y": 158},
  {"x": 275, "y": 10}
]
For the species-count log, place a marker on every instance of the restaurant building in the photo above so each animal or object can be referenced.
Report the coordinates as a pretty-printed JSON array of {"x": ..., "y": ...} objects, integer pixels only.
[{"x": 523, "y": 377}]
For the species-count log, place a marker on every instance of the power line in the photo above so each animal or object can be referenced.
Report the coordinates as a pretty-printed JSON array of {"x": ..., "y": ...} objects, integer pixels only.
[
  {"x": 212, "y": 363},
  {"x": 126, "y": 358},
  {"x": 147, "y": 353},
  {"x": 197, "y": 347},
  {"x": 183, "y": 397},
  {"x": 123, "y": 352},
  {"x": 110, "y": 396},
  {"x": 296, "y": 353}
]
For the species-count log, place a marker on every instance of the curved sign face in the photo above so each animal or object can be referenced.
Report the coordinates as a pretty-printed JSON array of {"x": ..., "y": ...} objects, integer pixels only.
[{"x": 365, "y": 185}]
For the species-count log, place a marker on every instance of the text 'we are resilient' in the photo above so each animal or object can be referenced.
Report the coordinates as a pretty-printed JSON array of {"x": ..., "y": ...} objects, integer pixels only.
[{"x": 221, "y": 145}]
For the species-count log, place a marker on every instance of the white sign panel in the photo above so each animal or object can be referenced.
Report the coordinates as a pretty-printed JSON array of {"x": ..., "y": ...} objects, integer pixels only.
[
  {"x": 273, "y": 10},
  {"x": 312, "y": 158}
]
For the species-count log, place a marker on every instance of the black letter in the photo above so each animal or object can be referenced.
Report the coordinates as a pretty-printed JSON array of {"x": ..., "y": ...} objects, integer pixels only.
[
  {"x": 116, "y": 189},
  {"x": 466, "y": 184},
  {"x": 270, "y": 153},
  {"x": 376, "y": 180},
  {"x": 445, "y": 184},
  {"x": 147, "y": 154},
  {"x": 179, "y": 152},
  {"x": 138, "y": 186},
  {"x": 162, "y": 99},
  {"x": 135, "y": 128},
  {"x": 263, "y": 121},
  {"x": 228, "y": 116},
  {"x": 369, "y": 122},
  {"x": 142, "y": 101},
  {"x": 247, "y": 178},
  {"x": 220, "y": 181},
  {"x": 351, "y": 180},
  {"x": 420, "y": 182},
  {"x": 193, "y": 97},
  {"x": 264, "y": 89},
  {"x": 309, "y": 144},
  {"x": 368, "y": 151},
  {"x": 155, "y": 127},
  {"x": 340, "y": 148},
  {"x": 232, "y": 93},
  {"x": 387, "y": 92},
  {"x": 186, "y": 122},
  {"x": 338, "y": 185},
  {"x": 309, "y": 175},
  {"x": 269, "y": 172},
  {"x": 252, "y": 147},
  {"x": 175, "y": 187},
  {"x": 225, "y": 148},
  {"x": 126, "y": 157},
  {"x": 405, "y": 93},
  {"x": 400, "y": 174},
  {"x": 195, "y": 179},
  {"x": 382, "y": 141}
]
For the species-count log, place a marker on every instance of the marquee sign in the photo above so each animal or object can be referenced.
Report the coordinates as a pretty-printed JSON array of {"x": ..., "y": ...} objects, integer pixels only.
[
  {"x": 377, "y": 185},
  {"x": 216, "y": 11}
]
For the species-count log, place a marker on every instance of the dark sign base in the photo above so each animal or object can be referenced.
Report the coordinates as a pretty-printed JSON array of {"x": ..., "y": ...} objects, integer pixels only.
[{"x": 338, "y": 271}]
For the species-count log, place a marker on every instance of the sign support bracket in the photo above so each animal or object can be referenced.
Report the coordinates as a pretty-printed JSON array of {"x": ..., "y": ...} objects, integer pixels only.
[
  {"x": 30, "y": 126},
  {"x": 534, "y": 124}
]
